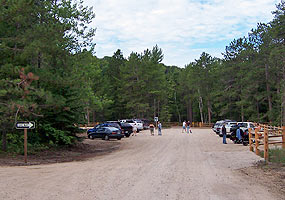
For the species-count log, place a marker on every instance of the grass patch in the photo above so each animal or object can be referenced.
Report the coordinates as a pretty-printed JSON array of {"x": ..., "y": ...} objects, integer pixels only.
[{"x": 277, "y": 155}]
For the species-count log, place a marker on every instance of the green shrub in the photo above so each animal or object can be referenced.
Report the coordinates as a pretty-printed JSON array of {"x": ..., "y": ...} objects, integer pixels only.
[
  {"x": 56, "y": 137},
  {"x": 277, "y": 155}
]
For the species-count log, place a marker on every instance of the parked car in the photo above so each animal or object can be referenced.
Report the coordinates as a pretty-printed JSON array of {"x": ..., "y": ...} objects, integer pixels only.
[
  {"x": 131, "y": 122},
  {"x": 105, "y": 133},
  {"x": 246, "y": 125},
  {"x": 230, "y": 127},
  {"x": 126, "y": 128},
  {"x": 216, "y": 126},
  {"x": 219, "y": 129},
  {"x": 139, "y": 124},
  {"x": 145, "y": 123},
  {"x": 109, "y": 124}
]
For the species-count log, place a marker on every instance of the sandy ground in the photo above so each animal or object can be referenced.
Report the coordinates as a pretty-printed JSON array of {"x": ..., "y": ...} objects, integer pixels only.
[{"x": 172, "y": 166}]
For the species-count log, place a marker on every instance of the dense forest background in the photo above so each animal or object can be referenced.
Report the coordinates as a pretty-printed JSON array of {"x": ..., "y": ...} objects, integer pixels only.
[{"x": 49, "y": 73}]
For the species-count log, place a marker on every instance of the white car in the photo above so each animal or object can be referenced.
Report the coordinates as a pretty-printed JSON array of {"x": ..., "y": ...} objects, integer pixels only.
[
  {"x": 218, "y": 123},
  {"x": 133, "y": 123},
  {"x": 229, "y": 126},
  {"x": 244, "y": 126},
  {"x": 139, "y": 124}
]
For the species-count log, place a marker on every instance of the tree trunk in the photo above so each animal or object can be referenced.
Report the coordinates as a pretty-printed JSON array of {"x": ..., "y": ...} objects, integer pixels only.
[
  {"x": 88, "y": 116},
  {"x": 283, "y": 98},
  {"x": 201, "y": 108},
  {"x": 4, "y": 140},
  {"x": 209, "y": 111}
]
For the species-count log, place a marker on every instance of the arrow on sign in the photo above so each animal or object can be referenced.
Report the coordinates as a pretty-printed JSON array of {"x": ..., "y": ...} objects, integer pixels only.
[{"x": 25, "y": 125}]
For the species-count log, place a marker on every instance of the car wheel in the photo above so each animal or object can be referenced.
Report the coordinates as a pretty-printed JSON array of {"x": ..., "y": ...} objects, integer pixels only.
[
  {"x": 90, "y": 137},
  {"x": 106, "y": 137},
  {"x": 245, "y": 143},
  {"x": 128, "y": 135},
  {"x": 119, "y": 138}
]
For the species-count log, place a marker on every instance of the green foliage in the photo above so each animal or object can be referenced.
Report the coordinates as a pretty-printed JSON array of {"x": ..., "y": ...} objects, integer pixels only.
[
  {"x": 55, "y": 136},
  {"x": 277, "y": 155}
]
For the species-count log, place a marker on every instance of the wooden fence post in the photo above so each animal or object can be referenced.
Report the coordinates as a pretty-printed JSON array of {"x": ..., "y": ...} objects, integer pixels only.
[
  {"x": 256, "y": 141},
  {"x": 283, "y": 137},
  {"x": 266, "y": 156},
  {"x": 249, "y": 139}
]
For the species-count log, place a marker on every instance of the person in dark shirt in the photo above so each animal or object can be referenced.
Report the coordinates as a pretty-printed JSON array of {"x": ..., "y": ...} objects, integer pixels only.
[{"x": 224, "y": 132}]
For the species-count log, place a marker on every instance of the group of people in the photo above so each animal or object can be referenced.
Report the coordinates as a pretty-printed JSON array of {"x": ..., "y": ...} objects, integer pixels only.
[
  {"x": 151, "y": 128},
  {"x": 224, "y": 133},
  {"x": 186, "y": 127}
]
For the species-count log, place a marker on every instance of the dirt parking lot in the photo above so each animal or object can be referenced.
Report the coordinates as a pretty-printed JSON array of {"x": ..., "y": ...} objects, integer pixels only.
[{"x": 172, "y": 166}]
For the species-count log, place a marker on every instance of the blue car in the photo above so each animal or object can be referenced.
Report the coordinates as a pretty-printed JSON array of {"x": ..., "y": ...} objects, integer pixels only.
[{"x": 105, "y": 133}]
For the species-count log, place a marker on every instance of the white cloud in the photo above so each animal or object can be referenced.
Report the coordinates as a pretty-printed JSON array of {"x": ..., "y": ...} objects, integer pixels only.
[{"x": 177, "y": 26}]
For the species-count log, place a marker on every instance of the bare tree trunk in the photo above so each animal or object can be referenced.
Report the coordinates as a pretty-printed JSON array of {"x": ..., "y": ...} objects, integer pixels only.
[
  {"x": 283, "y": 98},
  {"x": 88, "y": 116},
  {"x": 201, "y": 108},
  {"x": 209, "y": 111}
]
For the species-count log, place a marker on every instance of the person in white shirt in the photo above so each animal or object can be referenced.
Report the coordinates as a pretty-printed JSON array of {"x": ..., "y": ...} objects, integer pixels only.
[{"x": 184, "y": 127}]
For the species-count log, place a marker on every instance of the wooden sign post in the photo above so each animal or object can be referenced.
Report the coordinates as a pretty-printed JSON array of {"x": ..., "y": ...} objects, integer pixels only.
[
  {"x": 26, "y": 144},
  {"x": 25, "y": 126}
]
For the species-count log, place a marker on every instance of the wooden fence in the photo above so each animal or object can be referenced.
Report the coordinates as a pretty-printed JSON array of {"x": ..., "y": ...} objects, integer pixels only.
[{"x": 266, "y": 135}]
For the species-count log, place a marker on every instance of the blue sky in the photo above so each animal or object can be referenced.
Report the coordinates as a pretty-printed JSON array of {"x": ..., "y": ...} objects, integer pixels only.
[{"x": 183, "y": 29}]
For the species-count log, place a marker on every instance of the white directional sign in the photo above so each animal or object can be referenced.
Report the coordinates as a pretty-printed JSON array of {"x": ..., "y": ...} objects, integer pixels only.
[
  {"x": 25, "y": 125},
  {"x": 156, "y": 119}
]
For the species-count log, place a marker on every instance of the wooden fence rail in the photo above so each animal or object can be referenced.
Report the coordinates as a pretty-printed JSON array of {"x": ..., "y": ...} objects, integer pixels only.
[{"x": 266, "y": 135}]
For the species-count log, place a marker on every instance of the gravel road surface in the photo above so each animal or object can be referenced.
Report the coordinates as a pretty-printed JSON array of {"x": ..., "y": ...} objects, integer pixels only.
[{"x": 172, "y": 166}]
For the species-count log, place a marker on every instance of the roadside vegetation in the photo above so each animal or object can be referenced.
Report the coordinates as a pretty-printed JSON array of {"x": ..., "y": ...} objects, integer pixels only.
[
  {"x": 277, "y": 155},
  {"x": 49, "y": 73}
]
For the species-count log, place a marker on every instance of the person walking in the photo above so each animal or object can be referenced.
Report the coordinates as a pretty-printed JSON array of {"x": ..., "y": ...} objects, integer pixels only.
[
  {"x": 238, "y": 134},
  {"x": 184, "y": 126},
  {"x": 135, "y": 129},
  {"x": 224, "y": 132},
  {"x": 188, "y": 126},
  {"x": 151, "y": 128},
  {"x": 159, "y": 128}
]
